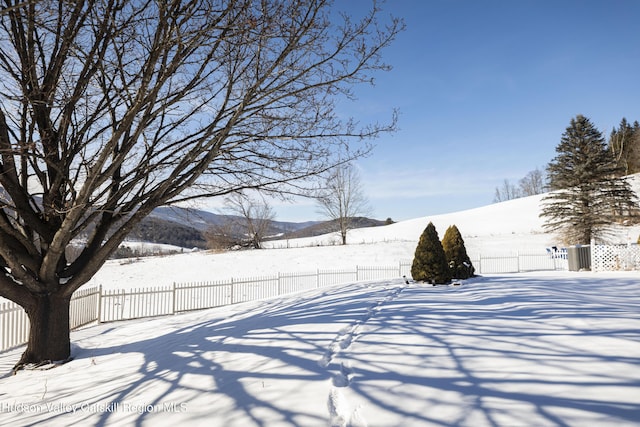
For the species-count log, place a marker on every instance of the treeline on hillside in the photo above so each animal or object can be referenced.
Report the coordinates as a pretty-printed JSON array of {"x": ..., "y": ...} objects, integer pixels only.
[
  {"x": 623, "y": 146},
  {"x": 156, "y": 230}
]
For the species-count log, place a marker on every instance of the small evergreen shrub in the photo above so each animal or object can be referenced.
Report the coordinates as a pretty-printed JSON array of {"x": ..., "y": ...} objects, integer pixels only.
[
  {"x": 429, "y": 262},
  {"x": 456, "y": 254}
]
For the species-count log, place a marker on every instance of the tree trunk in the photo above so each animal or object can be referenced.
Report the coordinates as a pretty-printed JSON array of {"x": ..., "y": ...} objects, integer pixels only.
[{"x": 49, "y": 335}]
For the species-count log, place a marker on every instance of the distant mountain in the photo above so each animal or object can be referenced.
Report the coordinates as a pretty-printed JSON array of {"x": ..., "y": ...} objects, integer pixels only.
[
  {"x": 326, "y": 227},
  {"x": 198, "y": 219},
  {"x": 203, "y": 220}
]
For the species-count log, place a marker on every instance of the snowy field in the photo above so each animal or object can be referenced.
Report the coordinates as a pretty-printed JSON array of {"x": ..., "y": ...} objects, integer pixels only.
[
  {"x": 535, "y": 349},
  {"x": 543, "y": 349},
  {"x": 497, "y": 229}
]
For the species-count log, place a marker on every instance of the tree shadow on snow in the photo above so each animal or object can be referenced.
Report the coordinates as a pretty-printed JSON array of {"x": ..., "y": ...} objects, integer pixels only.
[
  {"x": 427, "y": 355},
  {"x": 503, "y": 353},
  {"x": 226, "y": 358}
]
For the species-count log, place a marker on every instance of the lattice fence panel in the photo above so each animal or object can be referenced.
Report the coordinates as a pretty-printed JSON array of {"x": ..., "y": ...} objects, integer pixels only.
[{"x": 615, "y": 257}]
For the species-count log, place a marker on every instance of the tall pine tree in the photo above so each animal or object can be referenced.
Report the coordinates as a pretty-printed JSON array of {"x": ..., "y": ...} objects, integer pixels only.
[
  {"x": 456, "y": 254},
  {"x": 429, "y": 263},
  {"x": 586, "y": 192}
]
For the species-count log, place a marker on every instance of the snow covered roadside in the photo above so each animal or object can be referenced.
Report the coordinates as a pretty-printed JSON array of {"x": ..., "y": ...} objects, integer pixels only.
[{"x": 539, "y": 349}]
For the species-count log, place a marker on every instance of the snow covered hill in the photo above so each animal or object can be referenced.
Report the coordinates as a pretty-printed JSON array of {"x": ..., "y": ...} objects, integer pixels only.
[{"x": 501, "y": 227}]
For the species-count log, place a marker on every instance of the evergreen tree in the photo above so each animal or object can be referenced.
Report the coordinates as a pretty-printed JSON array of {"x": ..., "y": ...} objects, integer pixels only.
[
  {"x": 586, "y": 194},
  {"x": 429, "y": 263},
  {"x": 624, "y": 145},
  {"x": 456, "y": 254}
]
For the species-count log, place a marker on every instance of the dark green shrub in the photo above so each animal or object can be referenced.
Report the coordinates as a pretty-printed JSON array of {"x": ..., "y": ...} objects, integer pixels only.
[
  {"x": 456, "y": 254},
  {"x": 429, "y": 263}
]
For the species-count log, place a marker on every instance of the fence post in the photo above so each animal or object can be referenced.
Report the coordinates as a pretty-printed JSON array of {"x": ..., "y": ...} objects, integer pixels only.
[
  {"x": 232, "y": 291},
  {"x": 122, "y": 295},
  {"x": 518, "y": 260},
  {"x": 357, "y": 273},
  {"x": 279, "y": 287},
  {"x": 173, "y": 297},
  {"x": 317, "y": 278},
  {"x": 99, "y": 319}
]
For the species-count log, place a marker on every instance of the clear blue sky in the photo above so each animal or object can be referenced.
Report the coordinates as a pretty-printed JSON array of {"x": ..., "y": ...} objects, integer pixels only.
[{"x": 485, "y": 90}]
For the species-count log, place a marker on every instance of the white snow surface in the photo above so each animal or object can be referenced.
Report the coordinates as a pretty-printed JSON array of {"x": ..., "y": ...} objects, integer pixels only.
[
  {"x": 538, "y": 349},
  {"x": 529, "y": 349}
]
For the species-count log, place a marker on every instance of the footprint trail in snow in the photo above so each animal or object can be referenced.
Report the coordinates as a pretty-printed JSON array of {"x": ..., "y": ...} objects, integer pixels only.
[{"x": 340, "y": 412}]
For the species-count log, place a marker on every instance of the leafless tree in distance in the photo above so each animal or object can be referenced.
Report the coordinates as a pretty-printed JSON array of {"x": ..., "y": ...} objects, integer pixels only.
[
  {"x": 343, "y": 199},
  {"x": 534, "y": 182},
  {"x": 507, "y": 191},
  {"x": 247, "y": 223}
]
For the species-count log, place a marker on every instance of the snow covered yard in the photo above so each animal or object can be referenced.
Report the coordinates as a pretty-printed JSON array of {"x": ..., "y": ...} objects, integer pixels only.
[{"x": 538, "y": 349}]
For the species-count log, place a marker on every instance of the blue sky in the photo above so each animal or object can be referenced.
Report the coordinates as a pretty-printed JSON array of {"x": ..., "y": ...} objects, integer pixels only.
[{"x": 485, "y": 90}]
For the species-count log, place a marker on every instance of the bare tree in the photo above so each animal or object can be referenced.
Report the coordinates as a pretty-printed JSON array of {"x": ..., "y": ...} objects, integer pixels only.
[
  {"x": 343, "y": 199},
  {"x": 249, "y": 219},
  {"x": 508, "y": 191},
  {"x": 111, "y": 108},
  {"x": 221, "y": 237},
  {"x": 533, "y": 183}
]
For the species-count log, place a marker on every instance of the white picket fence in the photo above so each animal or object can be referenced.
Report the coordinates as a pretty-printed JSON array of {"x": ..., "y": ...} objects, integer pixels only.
[
  {"x": 125, "y": 304},
  {"x": 14, "y": 326},
  {"x": 14, "y": 323},
  {"x": 104, "y": 305},
  {"x": 518, "y": 262}
]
